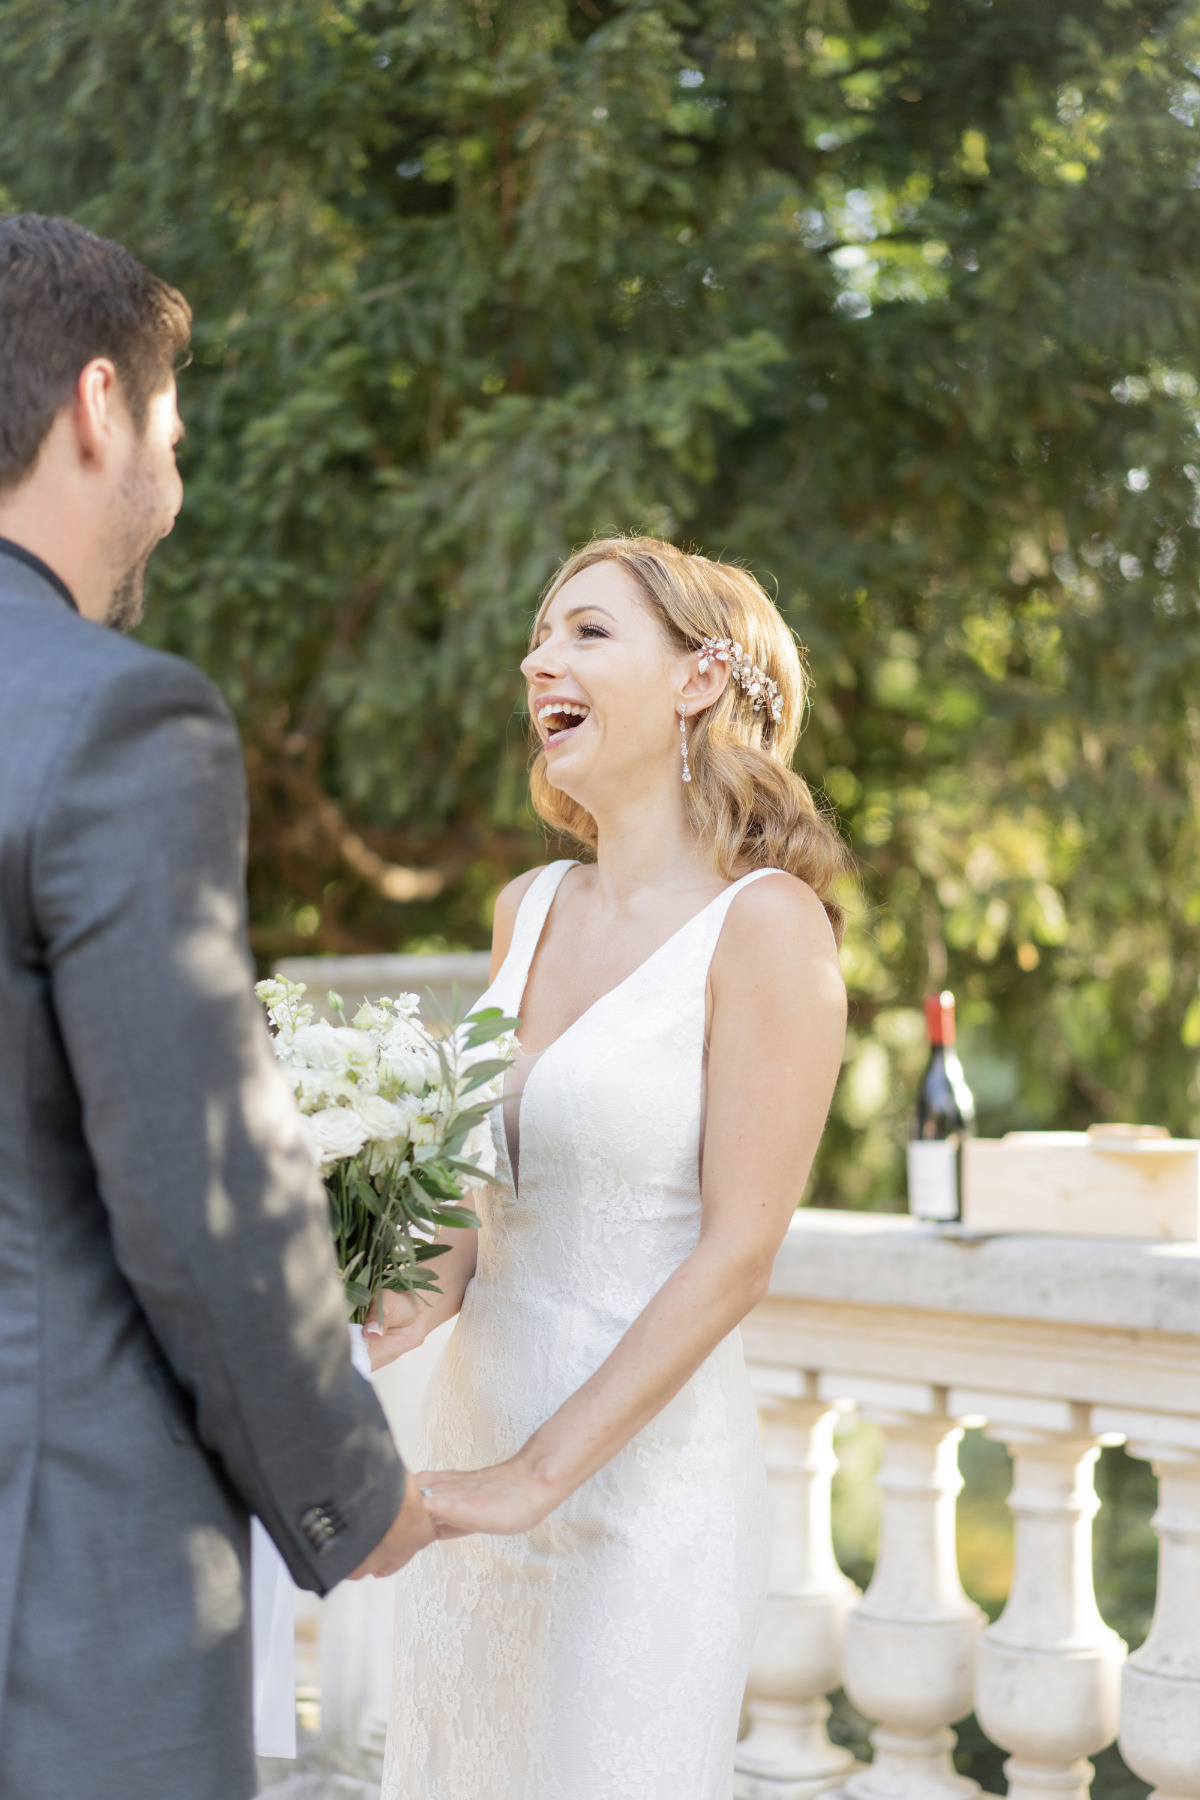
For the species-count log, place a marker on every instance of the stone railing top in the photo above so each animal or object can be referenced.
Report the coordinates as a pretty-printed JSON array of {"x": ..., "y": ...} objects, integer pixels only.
[
  {"x": 446, "y": 982},
  {"x": 388, "y": 974},
  {"x": 889, "y": 1259}
]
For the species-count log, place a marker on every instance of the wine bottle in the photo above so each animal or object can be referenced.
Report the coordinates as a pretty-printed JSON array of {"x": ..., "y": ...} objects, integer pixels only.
[{"x": 943, "y": 1117}]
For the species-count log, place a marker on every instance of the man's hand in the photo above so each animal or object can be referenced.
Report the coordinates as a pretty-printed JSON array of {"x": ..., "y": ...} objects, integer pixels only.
[{"x": 410, "y": 1531}]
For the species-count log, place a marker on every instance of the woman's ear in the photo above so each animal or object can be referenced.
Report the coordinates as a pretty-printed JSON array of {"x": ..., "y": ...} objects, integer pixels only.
[{"x": 698, "y": 689}]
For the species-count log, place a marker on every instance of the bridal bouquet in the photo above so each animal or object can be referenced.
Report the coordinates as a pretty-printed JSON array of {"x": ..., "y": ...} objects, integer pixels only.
[{"x": 393, "y": 1115}]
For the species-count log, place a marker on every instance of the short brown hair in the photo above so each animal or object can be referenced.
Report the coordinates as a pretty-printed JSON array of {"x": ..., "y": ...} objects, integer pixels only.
[
  {"x": 745, "y": 801},
  {"x": 67, "y": 296}
]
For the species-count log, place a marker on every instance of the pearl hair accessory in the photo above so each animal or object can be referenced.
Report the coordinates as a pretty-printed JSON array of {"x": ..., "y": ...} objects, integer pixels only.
[{"x": 761, "y": 689}]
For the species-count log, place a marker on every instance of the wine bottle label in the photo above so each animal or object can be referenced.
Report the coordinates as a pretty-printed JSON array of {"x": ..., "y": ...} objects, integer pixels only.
[{"x": 933, "y": 1178}]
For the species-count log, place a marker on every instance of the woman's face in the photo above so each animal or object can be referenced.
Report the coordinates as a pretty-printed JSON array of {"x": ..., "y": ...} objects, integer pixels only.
[{"x": 605, "y": 683}]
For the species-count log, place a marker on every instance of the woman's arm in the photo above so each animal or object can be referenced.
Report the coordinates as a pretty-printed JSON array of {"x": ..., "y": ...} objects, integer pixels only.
[
  {"x": 408, "y": 1319},
  {"x": 778, "y": 1022}
]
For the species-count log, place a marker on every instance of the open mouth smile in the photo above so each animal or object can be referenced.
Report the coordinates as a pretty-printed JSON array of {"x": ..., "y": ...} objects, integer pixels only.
[{"x": 558, "y": 718}]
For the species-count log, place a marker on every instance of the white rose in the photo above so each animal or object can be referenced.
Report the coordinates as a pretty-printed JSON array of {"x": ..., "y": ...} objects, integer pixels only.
[
  {"x": 357, "y": 1047},
  {"x": 320, "y": 1089},
  {"x": 382, "y": 1120},
  {"x": 423, "y": 1130},
  {"x": 334, "y": 1134},
  {"x": 318, "y": 1045},
  {"x": 412, "y": 1067}
]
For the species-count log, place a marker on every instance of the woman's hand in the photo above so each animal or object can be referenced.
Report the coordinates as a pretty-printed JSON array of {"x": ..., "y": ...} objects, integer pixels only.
[
  {"x": 407, "y": 1320},
  {"x": 505, "y": 1499}
]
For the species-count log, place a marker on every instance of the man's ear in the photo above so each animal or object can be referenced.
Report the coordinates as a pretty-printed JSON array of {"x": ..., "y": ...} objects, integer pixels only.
[{"x": 97, "y": 408}]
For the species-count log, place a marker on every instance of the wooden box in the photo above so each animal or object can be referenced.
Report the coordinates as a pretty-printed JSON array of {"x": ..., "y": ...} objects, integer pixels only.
[{"x": 1083, "y": 1185}]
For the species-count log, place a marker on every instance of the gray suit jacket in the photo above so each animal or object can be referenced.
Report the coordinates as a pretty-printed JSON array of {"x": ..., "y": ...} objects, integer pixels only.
[{"x": 173, "y": 1347}]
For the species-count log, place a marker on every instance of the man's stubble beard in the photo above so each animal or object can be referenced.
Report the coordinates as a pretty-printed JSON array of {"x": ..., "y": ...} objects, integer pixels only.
[
  {"x": 141, "y": 510},
  {"x": 127, "y": 603}
]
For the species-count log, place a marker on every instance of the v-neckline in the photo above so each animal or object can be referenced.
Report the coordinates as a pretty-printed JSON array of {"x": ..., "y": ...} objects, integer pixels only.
[
  {"x": 542, "y": 1054},
  {"x": 617, "y": 985}
]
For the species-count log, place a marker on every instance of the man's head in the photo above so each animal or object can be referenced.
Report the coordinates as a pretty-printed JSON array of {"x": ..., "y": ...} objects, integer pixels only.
[{"x": 89, "y": 343}]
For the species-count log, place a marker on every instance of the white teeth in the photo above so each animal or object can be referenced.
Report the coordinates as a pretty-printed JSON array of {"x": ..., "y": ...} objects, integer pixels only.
[{"x": 555, "y": 707}]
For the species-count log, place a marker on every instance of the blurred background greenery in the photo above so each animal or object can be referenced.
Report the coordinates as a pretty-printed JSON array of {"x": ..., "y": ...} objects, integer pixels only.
[{"x": 898, "y": 301}]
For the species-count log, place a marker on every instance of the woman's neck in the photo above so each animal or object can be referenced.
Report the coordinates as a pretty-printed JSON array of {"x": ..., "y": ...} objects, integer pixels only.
[{"x": 647, "y": 843}]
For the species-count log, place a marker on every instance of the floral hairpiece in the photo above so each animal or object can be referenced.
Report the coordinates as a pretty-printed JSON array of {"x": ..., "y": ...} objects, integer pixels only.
[{"x": 761, "y": 689}]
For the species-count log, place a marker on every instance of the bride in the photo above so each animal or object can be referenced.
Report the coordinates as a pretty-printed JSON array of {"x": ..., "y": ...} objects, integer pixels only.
[{"x": 582, "y": 1631}]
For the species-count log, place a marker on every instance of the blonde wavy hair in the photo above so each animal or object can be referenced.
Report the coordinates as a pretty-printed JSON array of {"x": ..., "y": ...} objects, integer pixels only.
[{"x": 745, "y": 800}]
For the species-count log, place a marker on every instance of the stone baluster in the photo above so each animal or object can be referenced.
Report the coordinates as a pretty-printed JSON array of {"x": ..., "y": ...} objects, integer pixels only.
[
  {"x": 910, "y": 1643},
  {"x": 1049, "y": 1669},
  {"x": 1160, "y": 1689},
  {"x": 787, "y": 1755}
]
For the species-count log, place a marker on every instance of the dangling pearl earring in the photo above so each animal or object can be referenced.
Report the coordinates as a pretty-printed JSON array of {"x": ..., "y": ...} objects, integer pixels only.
[{"x": 687, "y": 773}]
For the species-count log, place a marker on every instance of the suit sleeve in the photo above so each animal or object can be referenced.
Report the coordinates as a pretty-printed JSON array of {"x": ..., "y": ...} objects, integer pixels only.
[{"x": 218, "y": 1218}]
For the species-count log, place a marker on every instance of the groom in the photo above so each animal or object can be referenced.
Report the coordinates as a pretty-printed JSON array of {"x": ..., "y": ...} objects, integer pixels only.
[{"x": 173, "y": 1348}]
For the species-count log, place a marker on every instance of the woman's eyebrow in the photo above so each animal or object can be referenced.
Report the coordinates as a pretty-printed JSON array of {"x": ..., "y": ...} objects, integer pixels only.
[{"x": 576, "y": 610}]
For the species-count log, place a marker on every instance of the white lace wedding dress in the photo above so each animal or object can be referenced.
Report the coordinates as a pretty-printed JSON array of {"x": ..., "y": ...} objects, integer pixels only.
[{"x": 601, "y": 1656}]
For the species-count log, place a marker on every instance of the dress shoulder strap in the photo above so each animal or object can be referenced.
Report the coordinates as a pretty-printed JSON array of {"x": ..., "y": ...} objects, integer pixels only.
[
  {"x": 715, "y": 914},
  {"x": 536, "y": 902},
  {"x": 715, "y": 917}
]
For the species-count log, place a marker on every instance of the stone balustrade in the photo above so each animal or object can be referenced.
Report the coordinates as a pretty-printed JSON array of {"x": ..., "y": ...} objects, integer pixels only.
[
  {"x": 448, "y": 984},
  {"x": 1057, "y": 1346}
]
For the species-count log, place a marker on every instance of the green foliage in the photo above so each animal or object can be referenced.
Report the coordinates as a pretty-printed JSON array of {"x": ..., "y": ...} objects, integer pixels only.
[
  {"x": 385, "y": 1227},
  {"x": 372, "y": 1224},
  {"x": 896, "y": 300}
]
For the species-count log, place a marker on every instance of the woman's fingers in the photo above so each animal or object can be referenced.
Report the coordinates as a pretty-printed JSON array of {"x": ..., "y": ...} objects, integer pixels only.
[
  {"x": 383, "y": 1348},
  {"x": 487, "y": 1500},
  {"x": 399, "y": 1309},
  {"x": 457, "y": 1504},
  {"x": 399, "y": 1329},
  {"x": 446, "y": 1500}
]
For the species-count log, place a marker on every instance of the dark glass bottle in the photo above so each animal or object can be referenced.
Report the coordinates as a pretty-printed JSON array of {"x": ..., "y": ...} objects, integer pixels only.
[{"x": 943, "y": 1117}]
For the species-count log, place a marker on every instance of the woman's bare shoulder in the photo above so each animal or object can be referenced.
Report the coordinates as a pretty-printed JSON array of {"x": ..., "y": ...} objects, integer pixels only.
[
  {"x": 778, "y": 925},
  {"x": 504, "y": 914},
  {"x": 509, "y": 898}
]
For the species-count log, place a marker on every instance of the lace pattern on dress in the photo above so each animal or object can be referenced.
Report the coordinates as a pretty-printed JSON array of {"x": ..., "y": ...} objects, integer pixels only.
[{"x": 603, "y": 1655}]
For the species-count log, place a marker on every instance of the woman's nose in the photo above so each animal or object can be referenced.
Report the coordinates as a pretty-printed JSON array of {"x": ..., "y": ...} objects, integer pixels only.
[{"x": 542, "y": 664}]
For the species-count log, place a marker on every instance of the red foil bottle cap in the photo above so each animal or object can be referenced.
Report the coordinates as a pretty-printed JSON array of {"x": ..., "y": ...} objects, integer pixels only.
[{"x": 939, "y": 1017}]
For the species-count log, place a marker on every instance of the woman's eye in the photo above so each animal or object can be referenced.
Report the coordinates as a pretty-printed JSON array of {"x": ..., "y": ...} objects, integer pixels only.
[{"x": 592, "y": 631}]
